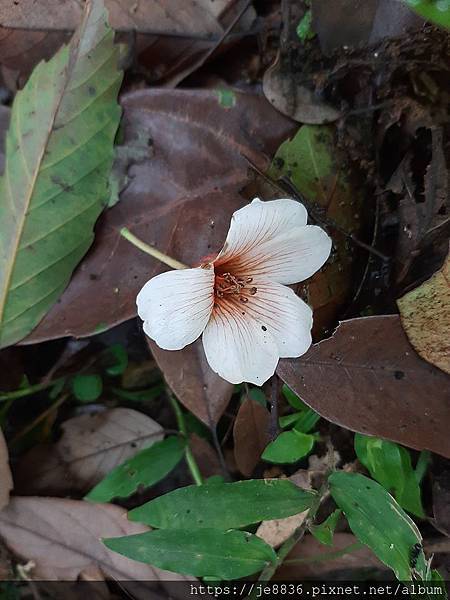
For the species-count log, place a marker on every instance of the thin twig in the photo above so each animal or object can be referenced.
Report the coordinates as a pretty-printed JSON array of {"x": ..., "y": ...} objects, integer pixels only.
[
  {"x": 201, "y": 61},
  {"x": 40, "y": 418},
  {"x": 167, "y": 260},
  {"x": 191, "y": 462},
  {"x": 32, "y": 389}
]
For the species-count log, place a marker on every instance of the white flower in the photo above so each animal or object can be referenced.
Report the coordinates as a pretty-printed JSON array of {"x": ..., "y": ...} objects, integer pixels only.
[{"x": 239, "y": 302}]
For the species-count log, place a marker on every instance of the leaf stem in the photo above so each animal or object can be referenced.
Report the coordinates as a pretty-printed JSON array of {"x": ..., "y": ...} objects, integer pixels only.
[
  {"x": 167, "y": 260},
  {"x": 32, "y": 389},
  {"x": 191, "y": 462}
]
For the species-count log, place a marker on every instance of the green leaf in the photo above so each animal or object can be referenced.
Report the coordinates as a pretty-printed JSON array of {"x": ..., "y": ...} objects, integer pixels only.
[
  {"x": 288, "y": 420},
  {"x": 379, "y": 522},
  {"x": 390, "y": 465},
  {"x": 198, "y": 552},
  {"x": 292, "y": 398},
  {"x": 59, "y": 151},
  {"x": 118, "y": 360},
  {"x": 289, "y": 447},
  {"x": 436, "y": 11},
  {"x": 324, "y": 531},
  {"x": 307, "y": 421},
  {"x": 139, "y": 395},
  {"x": 223, "y": 506},
  {"x": 304, "y": 28},
  {"x": 257, "y": 395},
  {"x": 145, "y": 469},
  {"x": 87, "y": 388}
]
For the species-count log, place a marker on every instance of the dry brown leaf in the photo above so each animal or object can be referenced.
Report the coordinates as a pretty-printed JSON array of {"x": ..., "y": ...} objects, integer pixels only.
[
  {"x": 6, "y": 480},
  {"x": 251, "y": 435},
  {"x": 310, "y": 548},
  {"x": 441, "y": 502},
  {"x": 425, "y": 315},
  {"x": 368, "y": 378},
  {"x": 90, "y": 446},
  {"x": 277, "y": 531},
  {"x": 63, "y": 539},
  {"x": 205, "y": 456},
  {"x": 193, "y": 381},
  {"x": 295, "y": 100},
  {"x": 180, "y": 199}
]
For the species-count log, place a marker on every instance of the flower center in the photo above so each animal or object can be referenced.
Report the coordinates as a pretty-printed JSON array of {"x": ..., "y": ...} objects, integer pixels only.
[{"x": 227, "y": 284}]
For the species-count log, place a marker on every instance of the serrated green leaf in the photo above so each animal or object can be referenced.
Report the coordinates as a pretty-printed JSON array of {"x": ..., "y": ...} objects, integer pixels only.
[
  {"x": 59, "y": 151},
  {"x": 289, "y": 447},
  {"x": 198, "y": 552},
  {"x": 390, "y": 465},
  {"x": 145, "y": 469},
  {"x": 224, "y": 506},
  {"x": 378, "y": 521},
  {"x": 324, "y": 531},
  {"x": 87, "y": 388}
]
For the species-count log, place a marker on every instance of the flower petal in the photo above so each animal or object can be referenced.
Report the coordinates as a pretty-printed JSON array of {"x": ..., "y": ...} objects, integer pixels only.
[
  {"x": 288, "y": 258},
  {"x": 176, "y": 306},
  {"x": 236, "y": 348},
  {"x": 260, "y": 222},
  {"x": 276, "y": 309}
]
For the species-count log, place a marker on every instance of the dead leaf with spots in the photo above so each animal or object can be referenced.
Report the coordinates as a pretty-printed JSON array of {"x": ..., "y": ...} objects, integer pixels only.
[
  {"x": 251, "y": 435},
  {"x": 368, "y": 378},
  {"x": 425, "y": 315},
  {"x": 91, "y": 445},
  {"x": 63, "y": 539},
  {"x": 6, "y": 480}
]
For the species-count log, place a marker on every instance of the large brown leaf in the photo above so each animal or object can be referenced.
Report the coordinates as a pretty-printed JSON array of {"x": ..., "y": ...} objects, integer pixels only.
[
  {"x": 6, "y": 481},
  {"x": 194, "y": 383},
  {"x": 251, "y": 435},
  {"x": 91, "y": 446},
  {"x": 369, "y": 379},
  {"x": 32, "y": 31},
  {"x": 180, "y": 199},
  {"x": 63, "y": 539}
]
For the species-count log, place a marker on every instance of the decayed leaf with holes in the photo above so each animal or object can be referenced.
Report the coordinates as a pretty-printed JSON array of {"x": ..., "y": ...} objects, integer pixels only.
[
  {"x": 6, "y": 481},
  {"x": 63, "y": 539},
  {"x": 91, "y": 445},
  {"x": 425, "y": 315},
  {"x": 368, "y": 378},
  {"x": 58, "y": 156},
  {"x": 181, "y": 199}
]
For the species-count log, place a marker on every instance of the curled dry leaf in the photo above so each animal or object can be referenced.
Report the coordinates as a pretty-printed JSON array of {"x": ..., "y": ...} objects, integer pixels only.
[
  {"x": 180, "y": 200},
  {"x": 90, "y": 447},
  {"x": 295, "y": 100},
  {"x": 368, "y": 371},
  {"x": 193, "y": 381},
  {"x": 63, "y": 539},
  {"x": 205, "y": 456},
  {"x": 6, "y": 480},
  {"x": 251, "y": 435},
  {"x": 425, "y": 315}
]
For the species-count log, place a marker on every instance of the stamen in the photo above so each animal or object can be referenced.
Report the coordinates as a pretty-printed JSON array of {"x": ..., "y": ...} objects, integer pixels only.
[{"x": 243, "y": 299}]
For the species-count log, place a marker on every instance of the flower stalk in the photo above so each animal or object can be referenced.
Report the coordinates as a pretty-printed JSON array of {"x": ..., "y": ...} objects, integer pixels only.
[{"x": 167, "y": 260}]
